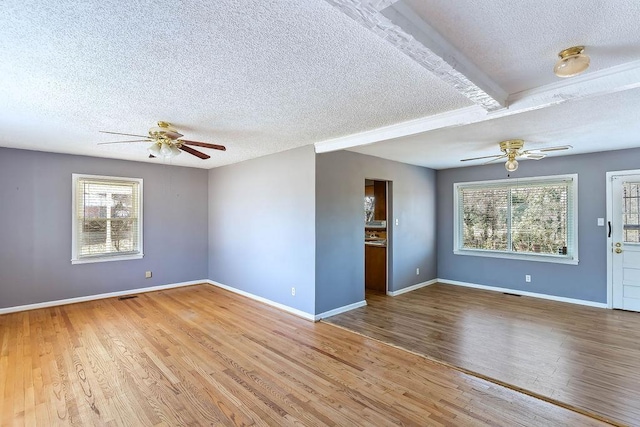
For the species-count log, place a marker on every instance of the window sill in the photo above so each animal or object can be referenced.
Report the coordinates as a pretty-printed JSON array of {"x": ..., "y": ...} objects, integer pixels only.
[
  {"x": 106, "y": 258},
  {"x": 520, "y": 256}
]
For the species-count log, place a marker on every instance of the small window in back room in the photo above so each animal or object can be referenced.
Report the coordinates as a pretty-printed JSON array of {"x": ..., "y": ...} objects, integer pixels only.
[
  {"x": 107, "y": 219},
  {"x": 369, "y": 208}
]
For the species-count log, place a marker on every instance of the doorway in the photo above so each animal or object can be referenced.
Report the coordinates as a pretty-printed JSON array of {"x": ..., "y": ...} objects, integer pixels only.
[
  {"x": 377, "y": 235},
  {"x": 623, "y": 239}
]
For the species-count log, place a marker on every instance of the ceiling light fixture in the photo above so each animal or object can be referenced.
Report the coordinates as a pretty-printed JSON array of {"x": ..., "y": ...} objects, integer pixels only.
[
  {"x": 572, "y": 62},
  {"x": 164, "y": 148},
  {"x": 511, "y": 149},
  {"x": 154, "y": 150}
]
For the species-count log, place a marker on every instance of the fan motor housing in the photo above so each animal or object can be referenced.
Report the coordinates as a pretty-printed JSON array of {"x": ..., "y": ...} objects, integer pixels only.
[
  {"x": 164, "y": 130},
  {"x": 511, "y": 145}
]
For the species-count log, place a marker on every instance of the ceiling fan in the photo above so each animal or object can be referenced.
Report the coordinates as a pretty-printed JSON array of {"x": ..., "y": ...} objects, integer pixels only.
[
  {"x": 512, "y": 150},
  {"x": 166, "y": 143}
]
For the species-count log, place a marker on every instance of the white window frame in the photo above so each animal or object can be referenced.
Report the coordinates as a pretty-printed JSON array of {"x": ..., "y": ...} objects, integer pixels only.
[
  {"x": 572, "y": 229},
  {"x": 74, "y": 222}
]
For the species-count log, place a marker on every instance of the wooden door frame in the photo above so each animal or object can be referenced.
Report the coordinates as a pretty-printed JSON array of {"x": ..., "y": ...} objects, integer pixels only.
[
  {"x": 389, "y": 215},
  {"x": 390, "y": 223},
  {"x": 609, "y": 196}
]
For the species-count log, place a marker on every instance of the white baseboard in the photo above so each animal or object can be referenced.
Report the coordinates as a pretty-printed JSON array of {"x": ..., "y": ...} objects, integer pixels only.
[
  {"x": 340, "y": 310},
  {"x": 525, "y": 293},
  {"x": 411, "y": 288},
  {"x": 96, "y": 297},
  {"x": 282, "y": 307}
]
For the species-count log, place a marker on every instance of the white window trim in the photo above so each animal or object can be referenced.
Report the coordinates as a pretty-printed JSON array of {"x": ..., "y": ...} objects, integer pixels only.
[
  {"x": 74, "y": 223},
  {"x": 528, "y": 256}
]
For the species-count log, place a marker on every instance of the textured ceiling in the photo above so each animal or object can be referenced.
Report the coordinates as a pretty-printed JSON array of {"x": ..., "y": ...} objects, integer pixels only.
[
  {"x": 614, "y": 125},
  {"x": 518, "y": 42},
  {"x": 265, "y": 76},
  {"x": 256, "y": 76}
]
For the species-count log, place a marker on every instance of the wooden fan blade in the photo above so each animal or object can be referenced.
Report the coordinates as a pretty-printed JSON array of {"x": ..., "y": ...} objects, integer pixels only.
[
  {"x": 484, "y": 157},
  {"x": 558, "y": 148},
  {"x": 126, "y": 134},
  {"x": 121, "y": 142},
  {"x": 194, "y": 152},
  {"x": 203, "y": 144}
]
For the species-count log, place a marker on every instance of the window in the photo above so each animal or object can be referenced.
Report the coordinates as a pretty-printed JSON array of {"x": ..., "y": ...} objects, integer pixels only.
[
  {"x": 369, "y": 208},
  {"x": 631, "y": 212},
  {"x": 530, "y": 218},
  {"x": 107, "y": 219}
]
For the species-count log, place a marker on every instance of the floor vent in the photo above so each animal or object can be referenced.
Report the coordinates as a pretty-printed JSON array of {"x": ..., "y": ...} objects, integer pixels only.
[{"x": 127, "y": 297}]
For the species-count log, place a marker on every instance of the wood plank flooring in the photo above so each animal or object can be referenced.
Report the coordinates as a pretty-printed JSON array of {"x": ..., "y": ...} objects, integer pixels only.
[
  {"x": 204, "y": 356},
  {"x": 588, "y": 358}
]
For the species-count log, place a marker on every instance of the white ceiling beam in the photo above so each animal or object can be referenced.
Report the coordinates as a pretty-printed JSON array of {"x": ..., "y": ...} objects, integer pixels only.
[
  {"x": 378, "y": 5},
  {"x": 603, "y": 82},
  {"x": 469, "y": 80},
  {"x": 400, "y": 26},
  {"x": 610, "y": 80},
  {"x": 451, "y": 118}
]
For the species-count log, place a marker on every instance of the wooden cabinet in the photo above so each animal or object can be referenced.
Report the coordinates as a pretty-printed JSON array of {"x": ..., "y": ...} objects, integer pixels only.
[
  {"x": 368, "y": 191},
  {"x": 380, "y": 193},
  {"x": 375, "y": 268}
]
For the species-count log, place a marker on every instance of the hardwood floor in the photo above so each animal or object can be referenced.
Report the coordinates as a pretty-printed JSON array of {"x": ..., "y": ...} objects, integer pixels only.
[
  {"x": 204, "y": 356},
  {"x": 587, "y": 358}
]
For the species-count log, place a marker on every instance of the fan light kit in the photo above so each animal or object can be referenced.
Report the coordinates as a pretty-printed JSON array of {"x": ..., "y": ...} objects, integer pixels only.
[
  {"x": 164, "y": 149},
  {"x": 511, "y": 165},
  {"x": 166, "y": 142},
  {"x": 512, "y": 149},
  {"x": 572, "y": 62}
]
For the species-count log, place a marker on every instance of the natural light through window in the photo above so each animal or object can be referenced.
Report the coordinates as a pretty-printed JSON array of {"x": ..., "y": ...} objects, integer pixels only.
[
  {"x": 631, "y": 212},
  {"x": 107, "y": 218},
  {"x": 527, "y": 218}
]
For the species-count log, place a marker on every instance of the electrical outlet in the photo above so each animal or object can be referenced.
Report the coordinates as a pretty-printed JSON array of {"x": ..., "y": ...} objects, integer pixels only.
[
  {"x": 527, "y": 278},
  {"x": 147, "y": 274},
  {"x": 397, "y": 221},
  {"x": 417, "y": 271},
  {"x": 293, "y": 291}
]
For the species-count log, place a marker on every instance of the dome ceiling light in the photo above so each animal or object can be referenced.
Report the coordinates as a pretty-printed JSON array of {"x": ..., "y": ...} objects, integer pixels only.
[{"x": 572, "y": 62}]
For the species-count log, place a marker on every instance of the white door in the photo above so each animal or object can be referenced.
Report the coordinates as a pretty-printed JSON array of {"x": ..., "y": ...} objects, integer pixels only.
[{"x": 625, "y": 241}]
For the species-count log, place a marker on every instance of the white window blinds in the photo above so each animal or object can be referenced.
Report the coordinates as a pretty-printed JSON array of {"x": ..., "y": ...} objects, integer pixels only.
[
  {"x": 528, "y": 216},
  {"x": 107, "y": 218}
]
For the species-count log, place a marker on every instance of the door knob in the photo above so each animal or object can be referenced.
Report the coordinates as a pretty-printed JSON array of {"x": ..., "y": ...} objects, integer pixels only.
[
  {"x": 618, "y": 245},
  {"x": 618, "y": 250}
]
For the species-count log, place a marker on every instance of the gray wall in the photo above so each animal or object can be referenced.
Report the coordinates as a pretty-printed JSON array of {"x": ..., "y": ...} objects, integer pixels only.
[
  {"x": 588, "y": 279},
  {"x": 262, "y": 227},
  {"x": 293, "y": 219},
  {"x": 340, "y": 180},
  {"x": 35, "y": 228}
]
